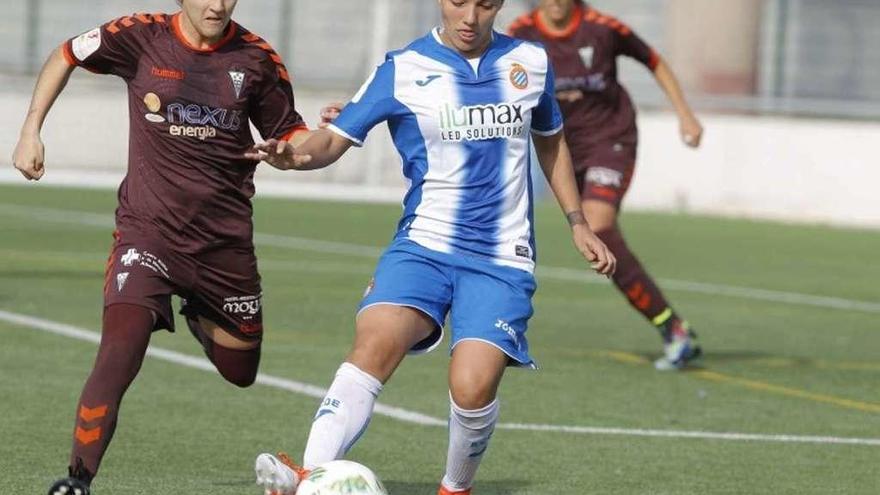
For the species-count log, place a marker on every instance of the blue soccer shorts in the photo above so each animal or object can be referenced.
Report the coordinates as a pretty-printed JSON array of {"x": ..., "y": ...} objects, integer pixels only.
[{"x": 486, "y": 302}]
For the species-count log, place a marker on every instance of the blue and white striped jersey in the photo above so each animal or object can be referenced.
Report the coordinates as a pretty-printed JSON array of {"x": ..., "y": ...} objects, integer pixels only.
[{"x": 463, "y": 136}]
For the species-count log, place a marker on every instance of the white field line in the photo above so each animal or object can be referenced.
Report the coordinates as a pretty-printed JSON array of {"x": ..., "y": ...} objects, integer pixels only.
[
  {"x": 105, "y": 221},
  {"x": 413, "y": 417}
]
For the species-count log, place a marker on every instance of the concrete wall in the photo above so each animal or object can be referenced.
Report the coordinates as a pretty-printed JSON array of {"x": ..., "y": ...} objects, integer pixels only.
[{"x": 799, "y": 170}]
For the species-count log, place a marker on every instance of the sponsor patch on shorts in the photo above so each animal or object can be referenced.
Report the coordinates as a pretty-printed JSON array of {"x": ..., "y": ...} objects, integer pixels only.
[
  {"x": 606, "y": 177},
  {"x": 243, "y": 305}
]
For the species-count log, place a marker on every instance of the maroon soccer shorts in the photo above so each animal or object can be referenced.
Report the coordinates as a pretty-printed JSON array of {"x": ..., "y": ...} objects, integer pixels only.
[
  {"x": 606, "y": 173},
  {"x": 221, "y": 285}
]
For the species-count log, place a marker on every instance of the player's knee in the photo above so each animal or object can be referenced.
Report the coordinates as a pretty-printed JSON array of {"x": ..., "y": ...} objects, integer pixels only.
[
  {"x": 470, "y": 389},
  {"x": 475, "y": 373},
  {"x": 374, "y": 358},
  {"x": 473, "y": 398},
  {"x": 238, "y": 367},
  {"x": 383, "y": 337},
  {"x": 240, "y": 378},
  {"x": 124, "y": 339}
]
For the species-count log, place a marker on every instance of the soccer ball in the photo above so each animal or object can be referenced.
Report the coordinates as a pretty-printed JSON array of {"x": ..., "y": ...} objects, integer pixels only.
[{"x": 341, "y": 478}]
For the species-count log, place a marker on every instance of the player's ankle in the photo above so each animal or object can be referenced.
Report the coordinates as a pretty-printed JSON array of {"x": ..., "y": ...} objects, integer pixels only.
[{"x": 78, "y": 471}]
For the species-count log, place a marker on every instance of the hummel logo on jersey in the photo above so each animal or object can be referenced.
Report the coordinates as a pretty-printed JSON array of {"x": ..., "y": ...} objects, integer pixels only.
[
  {"x": 130, "y": 257},
  {"x": 237, "y": 81},
  {"x": 428, "y": 80}
]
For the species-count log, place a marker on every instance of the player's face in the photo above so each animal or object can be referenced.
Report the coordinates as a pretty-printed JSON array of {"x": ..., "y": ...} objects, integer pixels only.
[
  {"x": 557, "y": 11},
  {"x": 467, "y": 24},
  {"x": 209, "y": 18}
]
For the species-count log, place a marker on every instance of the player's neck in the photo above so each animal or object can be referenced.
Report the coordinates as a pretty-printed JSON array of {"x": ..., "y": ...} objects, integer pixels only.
[
  {"x": 560, "y": 25},
  {"x": 468, "y": 54},
  {"x": 194, "y": 38}
]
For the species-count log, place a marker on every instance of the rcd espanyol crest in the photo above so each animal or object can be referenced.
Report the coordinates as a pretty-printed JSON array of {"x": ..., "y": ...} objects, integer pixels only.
[{"x": 519, "y": 77}]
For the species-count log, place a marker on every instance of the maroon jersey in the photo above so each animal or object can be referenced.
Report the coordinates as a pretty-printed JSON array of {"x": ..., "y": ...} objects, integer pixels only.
[
  {"x": 190, "y": 110},
  {"x": 584, "y": 57}
]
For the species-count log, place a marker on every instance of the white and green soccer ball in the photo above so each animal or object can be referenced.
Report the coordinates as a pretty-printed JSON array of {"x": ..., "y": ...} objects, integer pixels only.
[{"x": 341, "y": 478}]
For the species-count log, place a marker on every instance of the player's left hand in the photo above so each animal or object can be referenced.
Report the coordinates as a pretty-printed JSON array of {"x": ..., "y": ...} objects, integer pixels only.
[
  {"x": 329, "y": 113},
  {"x": 278, "y": 153},
  {"x": 594, "y": 250},
  {"x": 691, "y": 130}
]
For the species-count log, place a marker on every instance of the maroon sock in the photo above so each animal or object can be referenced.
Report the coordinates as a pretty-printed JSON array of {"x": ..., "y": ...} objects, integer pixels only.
[
  {"x": 124, "y": 339},
  {"x": 238, "y": 367},
  {"x": 635, "y": 283}
]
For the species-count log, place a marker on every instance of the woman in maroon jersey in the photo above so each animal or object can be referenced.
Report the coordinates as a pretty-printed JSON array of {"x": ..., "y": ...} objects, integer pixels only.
[
  {"x": 600, "y": 127},
  {"x": 184, "y": 223}
]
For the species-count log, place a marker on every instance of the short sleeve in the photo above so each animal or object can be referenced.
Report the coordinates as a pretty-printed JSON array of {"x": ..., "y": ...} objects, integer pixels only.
[
  {"x": 631, "y": 45},
  {"x": 273, "y": 109},
  {"x": 113, "y": 48},
  {"x": 547, "y": 117},
  {"x": 372, "y": 104},
  {"x": 519, "y": 27}
]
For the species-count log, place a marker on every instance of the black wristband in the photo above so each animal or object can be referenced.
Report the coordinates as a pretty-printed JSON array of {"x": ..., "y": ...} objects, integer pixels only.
[{"x": 575, "y": 218}]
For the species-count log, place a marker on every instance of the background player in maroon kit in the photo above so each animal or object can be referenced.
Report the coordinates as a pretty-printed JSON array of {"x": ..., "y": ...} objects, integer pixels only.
[
  {"x": 184, "y": 222},
  {"x": 600, "y": 128}
]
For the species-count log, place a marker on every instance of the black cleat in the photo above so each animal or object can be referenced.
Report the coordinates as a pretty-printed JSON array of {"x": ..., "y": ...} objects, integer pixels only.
[{"x": 69, "y": 486}]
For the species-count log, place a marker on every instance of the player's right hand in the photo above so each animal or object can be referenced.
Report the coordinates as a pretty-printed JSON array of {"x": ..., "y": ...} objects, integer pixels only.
[
  {"x": 329, "y": 113},
  {"x": 601, "y": 259},
  {"x": 691, "y": 130},
  {"x": 28, "y": 157},
  {"x": 278, "y": 153}
]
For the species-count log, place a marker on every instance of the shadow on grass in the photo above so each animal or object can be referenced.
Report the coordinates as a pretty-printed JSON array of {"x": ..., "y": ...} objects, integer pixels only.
[
  {"x": 708, "y": 359},
  {"x": 502, "y": 487}
]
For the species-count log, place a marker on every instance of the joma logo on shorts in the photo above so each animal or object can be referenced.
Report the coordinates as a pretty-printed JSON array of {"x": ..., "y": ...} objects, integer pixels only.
[{"x": 503, "y": 325}]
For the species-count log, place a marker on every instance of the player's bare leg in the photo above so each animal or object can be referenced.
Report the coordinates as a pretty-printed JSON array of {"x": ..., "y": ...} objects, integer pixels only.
[
  {"x": 237, "y": 360},
  {"x": 124, "y": 338},
  {"x": 640, "y": 290},
  {"x": 384, "y": 335},
  {"x": 475, "y": 372}
]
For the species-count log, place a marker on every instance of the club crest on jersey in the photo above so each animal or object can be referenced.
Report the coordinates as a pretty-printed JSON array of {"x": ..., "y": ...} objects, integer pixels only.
[
  {"x": 121, "y": 278},
  {"x": 519, "y": 77},
  {"x": 237, "y": 81},
  {"x": 587, "y": 53}
]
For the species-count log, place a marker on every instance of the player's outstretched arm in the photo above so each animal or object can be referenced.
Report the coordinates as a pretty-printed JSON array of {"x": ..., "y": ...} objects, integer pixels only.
[
  {"x": 689, "y": 126},
  {"x": 29, "y": 152},
  {"x": 555, "y": 161},
  {"x": 320, "y": 149}
]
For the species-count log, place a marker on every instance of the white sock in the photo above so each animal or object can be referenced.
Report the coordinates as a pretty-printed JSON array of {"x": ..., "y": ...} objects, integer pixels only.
[
  {"x": 469, "y": 434},
  {"x": 343, "y": 416}
]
